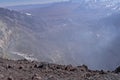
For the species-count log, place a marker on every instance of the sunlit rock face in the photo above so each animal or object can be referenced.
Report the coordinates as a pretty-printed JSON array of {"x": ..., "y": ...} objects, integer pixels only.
[
  {"x": 5, "y": 35},
  {"x": 93, "y": 4},
  {"x": 64, "y": 33}
]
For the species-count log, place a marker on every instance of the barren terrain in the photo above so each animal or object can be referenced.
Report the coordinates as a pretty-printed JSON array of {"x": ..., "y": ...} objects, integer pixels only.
[{"x": 32, "y": 70}]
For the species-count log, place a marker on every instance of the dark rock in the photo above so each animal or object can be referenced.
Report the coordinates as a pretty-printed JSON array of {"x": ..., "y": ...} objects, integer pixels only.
[
  {"x": 9, "y": 66},
  {"x": 117, "y": 70},
  {"x": 70, "y": 68},
  {"x": 102, "y": 72},
  {"x": 38, "y": 66},
  {"x": 10, "y": 78},
  {"x": 62, "y": 67},
  {"x": 20, "y": 67},
  {"x": 36, "y": 77},
  {"x": 86, "y": 75},
  {"x": 83, "y": 68},
  {"x": 35, "y": 66}
]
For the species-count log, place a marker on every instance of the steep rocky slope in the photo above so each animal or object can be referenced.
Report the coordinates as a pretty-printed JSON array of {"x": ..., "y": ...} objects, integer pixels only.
[
  {"x": 24, "y": 36},
  {"x": 15, "y": 28}
]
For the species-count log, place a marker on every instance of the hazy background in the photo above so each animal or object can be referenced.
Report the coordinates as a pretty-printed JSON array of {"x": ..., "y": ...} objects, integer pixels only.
[
  {"x": 70, "y": 32},
  {"x": 4, "y": 3}
]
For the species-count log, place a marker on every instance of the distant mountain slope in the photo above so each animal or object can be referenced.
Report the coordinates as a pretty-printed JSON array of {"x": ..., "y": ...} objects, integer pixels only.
[
  {"x": 29, "y": 6},
  {"x": 108, "y": 4},
  {"x": 26, "y": 37}
]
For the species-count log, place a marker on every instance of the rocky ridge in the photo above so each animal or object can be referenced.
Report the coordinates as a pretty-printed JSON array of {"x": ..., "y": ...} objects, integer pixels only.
[{"x": 32, "y": 70}]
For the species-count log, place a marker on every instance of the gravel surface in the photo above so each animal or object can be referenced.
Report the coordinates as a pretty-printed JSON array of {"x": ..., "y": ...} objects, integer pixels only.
[{"x": 32, "y": 70}]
